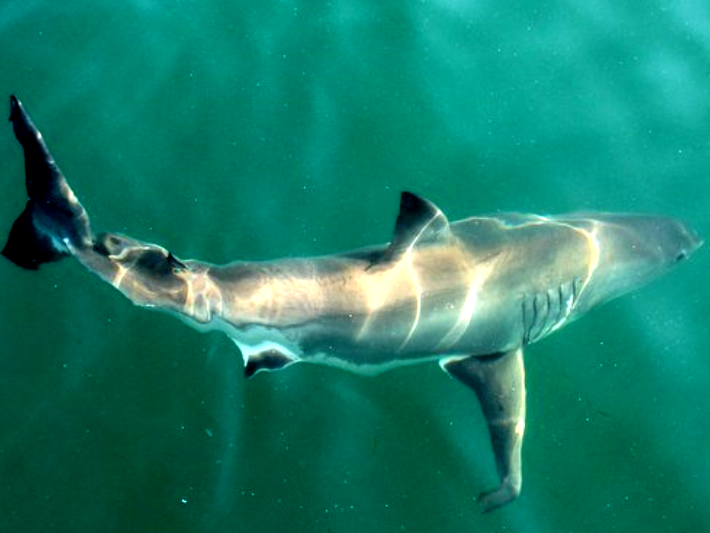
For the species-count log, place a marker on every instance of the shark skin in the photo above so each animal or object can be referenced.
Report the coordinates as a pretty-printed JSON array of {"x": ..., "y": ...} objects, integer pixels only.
[{"x": 469, "y": 294}]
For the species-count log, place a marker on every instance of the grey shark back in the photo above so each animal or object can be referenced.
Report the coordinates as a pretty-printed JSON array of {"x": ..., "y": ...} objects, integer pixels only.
[{"x": 470, "y": 294}]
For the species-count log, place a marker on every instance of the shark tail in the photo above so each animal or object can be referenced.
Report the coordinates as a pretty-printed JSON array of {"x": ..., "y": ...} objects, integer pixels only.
[{"x": 53, "y": 223}]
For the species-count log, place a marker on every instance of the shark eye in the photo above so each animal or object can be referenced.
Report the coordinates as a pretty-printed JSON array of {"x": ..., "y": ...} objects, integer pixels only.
[{"x": 681, "y": 256}]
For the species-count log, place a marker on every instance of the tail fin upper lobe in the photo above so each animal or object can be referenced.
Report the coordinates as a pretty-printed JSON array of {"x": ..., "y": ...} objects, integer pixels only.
[{"x": 53, "y": 221}]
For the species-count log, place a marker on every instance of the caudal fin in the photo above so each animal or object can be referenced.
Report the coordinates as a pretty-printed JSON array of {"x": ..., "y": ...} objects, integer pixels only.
[{"x": 53, "y": 222}]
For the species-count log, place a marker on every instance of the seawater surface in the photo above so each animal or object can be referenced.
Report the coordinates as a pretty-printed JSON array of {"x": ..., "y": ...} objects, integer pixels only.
[{"x": 254, "y": 130}]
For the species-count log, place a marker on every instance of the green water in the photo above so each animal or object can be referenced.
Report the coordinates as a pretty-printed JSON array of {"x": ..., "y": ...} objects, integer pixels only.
[{"x": 253, "y": 130}]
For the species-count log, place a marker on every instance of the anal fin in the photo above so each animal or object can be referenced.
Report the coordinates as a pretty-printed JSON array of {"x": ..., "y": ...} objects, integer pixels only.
[{"x": 499, "y": 383}]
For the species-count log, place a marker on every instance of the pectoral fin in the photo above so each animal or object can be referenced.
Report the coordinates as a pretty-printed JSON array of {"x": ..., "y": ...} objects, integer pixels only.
[{"x": 499, "y": 383}]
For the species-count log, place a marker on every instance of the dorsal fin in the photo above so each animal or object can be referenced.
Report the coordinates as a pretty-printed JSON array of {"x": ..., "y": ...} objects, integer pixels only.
[{"x": 419, "y": 221}]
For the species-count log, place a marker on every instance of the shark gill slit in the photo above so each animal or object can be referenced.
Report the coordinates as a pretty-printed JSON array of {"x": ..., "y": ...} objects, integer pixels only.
[
  {"x": 562, "y": 311},
  {"x": 578, "y": 285},
  {"x": 534, "y": 325},
  {"x": 559, "y": 316},
  {"x": 547, "y": 323}
]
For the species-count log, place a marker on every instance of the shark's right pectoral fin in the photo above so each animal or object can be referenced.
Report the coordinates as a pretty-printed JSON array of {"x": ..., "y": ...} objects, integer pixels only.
[{"x": 499, "y": 383}]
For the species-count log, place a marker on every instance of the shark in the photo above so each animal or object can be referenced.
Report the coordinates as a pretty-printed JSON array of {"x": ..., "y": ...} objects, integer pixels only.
[{"x": 470, "y": 294}]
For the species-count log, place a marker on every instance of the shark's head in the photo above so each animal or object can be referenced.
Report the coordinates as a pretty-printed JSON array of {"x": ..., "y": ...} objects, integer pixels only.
[
  {"x": 150, "y": 275},
  {"x": 633, "y": 250}
]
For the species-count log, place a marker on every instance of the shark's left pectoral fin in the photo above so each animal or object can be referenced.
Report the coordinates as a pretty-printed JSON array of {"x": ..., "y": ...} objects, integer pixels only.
[{"x": 499, "y": 383}]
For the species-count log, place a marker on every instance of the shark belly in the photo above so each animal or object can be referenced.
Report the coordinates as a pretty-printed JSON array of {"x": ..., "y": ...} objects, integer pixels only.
[
  {"x": 360, "y": 343},
  {"x": 434, "y": 319}
]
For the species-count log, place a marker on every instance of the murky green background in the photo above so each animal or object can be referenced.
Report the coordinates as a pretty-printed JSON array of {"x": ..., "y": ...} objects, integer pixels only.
[{"x": 254, "y": 130}]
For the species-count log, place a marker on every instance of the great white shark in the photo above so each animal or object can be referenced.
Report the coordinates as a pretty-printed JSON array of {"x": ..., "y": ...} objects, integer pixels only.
[{"x": 469, "y": 294}]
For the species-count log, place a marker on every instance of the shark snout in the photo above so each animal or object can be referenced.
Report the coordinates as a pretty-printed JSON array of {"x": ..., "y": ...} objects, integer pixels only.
[
  {"x": 671, "y": 241},
  {"x": 688, "y": 243}
]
